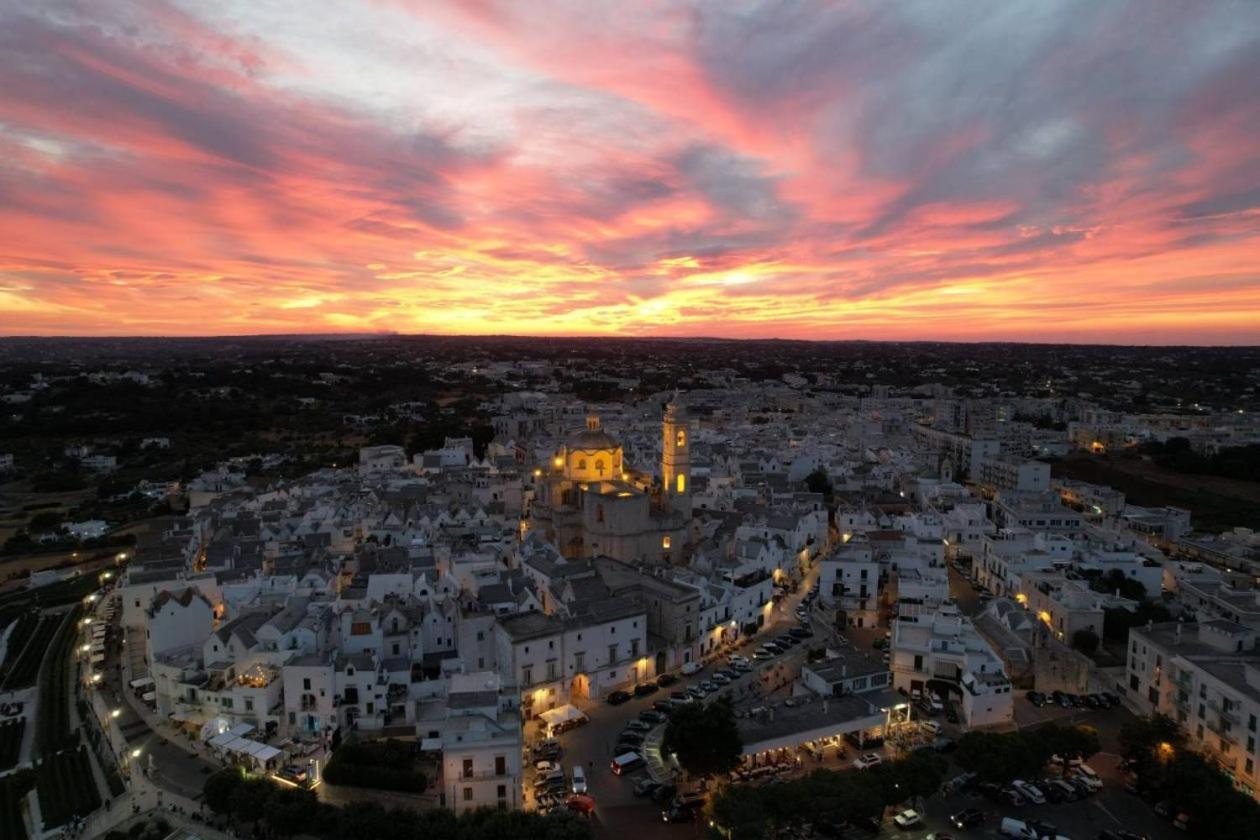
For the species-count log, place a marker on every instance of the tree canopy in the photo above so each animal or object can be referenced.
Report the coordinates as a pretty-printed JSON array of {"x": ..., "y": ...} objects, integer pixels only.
[
  {"x": 704, "y": 738},
  {"x": 1003, "y": 756}
]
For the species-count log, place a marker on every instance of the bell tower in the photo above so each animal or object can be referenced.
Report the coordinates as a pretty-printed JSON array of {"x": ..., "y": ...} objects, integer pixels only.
[{"x": 676, "y": 459}]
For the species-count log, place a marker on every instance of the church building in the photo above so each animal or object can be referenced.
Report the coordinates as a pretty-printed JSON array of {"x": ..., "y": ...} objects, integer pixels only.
[{"x": 589, "y": 502}]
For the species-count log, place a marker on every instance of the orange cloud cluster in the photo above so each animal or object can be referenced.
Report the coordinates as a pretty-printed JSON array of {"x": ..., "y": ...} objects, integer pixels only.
[{"x": 809, "y": 171}]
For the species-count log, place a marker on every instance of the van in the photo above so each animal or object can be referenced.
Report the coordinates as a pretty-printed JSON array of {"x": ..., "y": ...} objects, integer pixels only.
[
  {"x": 1018, "y": 829},
  {"x": 626, "y": 762}
]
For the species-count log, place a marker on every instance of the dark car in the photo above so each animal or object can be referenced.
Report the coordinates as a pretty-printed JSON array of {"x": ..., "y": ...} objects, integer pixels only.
[
  {"x": 645, "y": 786},
  {"x": 1036, "y": 698},
  {"x": 1043, "y": 828},
  {"x": 798, "y": 632},
  {"x": 665, "y": 707},
  {"x": 679, "y": 813},
  {"x": 664, "y": 793},
  {"x": 666, "y": 680},
  {"x": 1113, "y": 700},
  {"x": 944, "y": 745},
  {"x": 629, "y": 736},
  {"x": 680, "y": 696},
  {"x": 967, "y": 818},
  {"x": 951, "y": 714},
  {"x": 990, "y": 791},
  {"x": 644, "y": 689},
  {"x": 618, "y": 697},
  {"x": 653, "y": 716}
]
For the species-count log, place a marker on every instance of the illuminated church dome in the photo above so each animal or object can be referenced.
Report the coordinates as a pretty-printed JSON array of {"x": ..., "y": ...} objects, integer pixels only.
[{"x": 591, "y": 454}]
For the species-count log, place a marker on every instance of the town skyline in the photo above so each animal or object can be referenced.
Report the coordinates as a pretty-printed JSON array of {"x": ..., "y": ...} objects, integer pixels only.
[{"x": 1005, "y": 172}]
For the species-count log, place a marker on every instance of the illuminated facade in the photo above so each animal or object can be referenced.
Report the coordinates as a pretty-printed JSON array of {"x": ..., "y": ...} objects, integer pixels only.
[{"x": 588, "y": 501}]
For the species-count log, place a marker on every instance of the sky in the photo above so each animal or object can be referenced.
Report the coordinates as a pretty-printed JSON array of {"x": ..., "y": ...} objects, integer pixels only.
[{"x": 1050, "y": 170}]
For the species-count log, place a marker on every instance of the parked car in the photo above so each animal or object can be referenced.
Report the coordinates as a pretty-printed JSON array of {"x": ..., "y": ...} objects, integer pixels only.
[
  {"x": 967, "y": 818},
  {"x": 644, "y": 689},
  {"x": 638, "y": 726},
  {"x": 990, "y": 791},
  {"x": 951, "y": 714},
  {"x": 944, "y": 745},
  {"x": 930, "y": 726},
  {"x": 665, "y": 680},
  {"x": 679, "y": 696},
  {"x": 626, "y": 761},
  {"x": 653, "y": 716},
  {"x": 1029, "y": 791},
  {"x": 708, "y": 687},
  {"x": 868, "y": 760},
  {"x": 692, "y": 668},
  {"x": 664, "y": 792},
  {"x": 683, "y": 809},
  {"x": 578, "y": 780},
  {"x": 645, "y": 786},
  {"x": 696, "y": 692},
  {"x": 736, "y": 659},
  {"x": 908, "y": 818},
  {"x": 720, "y": 678},
  {"x": 630, "y": 736},
  {"x": 616, "y": 698},
  {"x": 1036, "y": 698},
  {"x": 1018, "y": 829}
]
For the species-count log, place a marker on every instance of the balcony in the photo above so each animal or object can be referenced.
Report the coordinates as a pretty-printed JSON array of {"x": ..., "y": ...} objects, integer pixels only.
[
  {"x": 1218, "y": 728},
  {"x": 482, "y": 775},
  {"x": 1230, "y": 715}
]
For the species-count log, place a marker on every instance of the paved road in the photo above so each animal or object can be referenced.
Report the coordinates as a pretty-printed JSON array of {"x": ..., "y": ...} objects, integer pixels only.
[{"x": 618, "y": 813}]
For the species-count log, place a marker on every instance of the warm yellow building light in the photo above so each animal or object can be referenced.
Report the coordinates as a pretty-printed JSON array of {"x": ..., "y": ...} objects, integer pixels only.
[{"x": 665, "y": 541}]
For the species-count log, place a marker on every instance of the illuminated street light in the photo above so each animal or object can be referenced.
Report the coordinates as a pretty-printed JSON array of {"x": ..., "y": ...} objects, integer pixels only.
[{"x": 115, "y": 713}]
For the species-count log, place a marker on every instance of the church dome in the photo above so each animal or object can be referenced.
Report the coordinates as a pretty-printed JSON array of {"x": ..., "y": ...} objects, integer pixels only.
[{"x": 590, "y": 440}]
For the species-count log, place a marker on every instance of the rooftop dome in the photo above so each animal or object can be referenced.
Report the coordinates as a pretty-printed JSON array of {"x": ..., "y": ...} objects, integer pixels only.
[{"x": 590, "y": 440}]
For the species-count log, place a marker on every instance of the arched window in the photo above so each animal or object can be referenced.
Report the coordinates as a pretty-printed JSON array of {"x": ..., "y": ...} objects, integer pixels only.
[
  {"x": 665, "y": 541},
  {"x": 682, "y": 438},
  {"x": 599, "y": 466},
  {"x": 581, "y": 463},
  {"x": 599, "y": 513},
  {"x": 682, "y": 483}
]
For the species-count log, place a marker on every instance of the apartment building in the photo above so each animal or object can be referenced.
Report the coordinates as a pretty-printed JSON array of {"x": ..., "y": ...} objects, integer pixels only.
[
  {"x": 1009, "y": 473},
  {"x": 944, "y": 654},
  {"x": 849, "y": 584},
  {"x": 1206, "y": 676}
]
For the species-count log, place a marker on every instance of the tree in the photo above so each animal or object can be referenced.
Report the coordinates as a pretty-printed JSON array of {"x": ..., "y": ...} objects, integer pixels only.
[
  {"x": 819, "y": 482},
  {"x": 918, "y": 774},
  {"x": 1085, "y": 640},
  {"x": 219, "y": 788},
  {"x": 704, "y": 738}
]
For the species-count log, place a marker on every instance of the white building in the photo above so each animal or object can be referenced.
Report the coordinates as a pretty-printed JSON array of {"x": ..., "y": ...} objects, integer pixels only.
[
  {"x": 944, "y": 654},
  {"x": 1205, "y": 676},
  {"x": 849, "y": 583}
]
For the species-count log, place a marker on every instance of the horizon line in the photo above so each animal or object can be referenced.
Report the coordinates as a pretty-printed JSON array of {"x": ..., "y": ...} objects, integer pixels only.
[{"x": 361, "y": 336}]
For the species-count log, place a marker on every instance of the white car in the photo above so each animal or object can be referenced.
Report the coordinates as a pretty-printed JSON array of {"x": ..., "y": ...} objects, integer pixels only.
[
  {"x": 868, "y": 760},
  {"x": 930, "y": 726},
  {"x": 908, "y": 818},
  {"x": 736, "y": 659},
  {"x": 692, "y": 668},
  {"x": 579, "y": 780},
  {"x": 1029, "y": 791}
]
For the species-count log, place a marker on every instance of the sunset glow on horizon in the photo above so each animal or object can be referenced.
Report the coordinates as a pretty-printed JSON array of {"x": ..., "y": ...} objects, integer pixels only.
[{"x": 1029, "y": 171}]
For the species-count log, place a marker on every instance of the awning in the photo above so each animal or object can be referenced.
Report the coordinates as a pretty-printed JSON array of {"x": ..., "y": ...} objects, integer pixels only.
[
  {"x": 430, "y": 745},
  {"x": 241, "y": 729},
  {"x": 563, "y": 714},
  {"x": 142, "y": 682},
  {"x": 149, "y": 696}
]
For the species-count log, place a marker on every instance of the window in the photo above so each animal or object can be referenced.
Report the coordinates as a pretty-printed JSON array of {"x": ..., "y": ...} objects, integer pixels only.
[
  {"x": 599, "y": 466},
  {"x": 682, "y": 438},
  {"x": 306, "y": 684},
  {"x": 360, "y": 628},
  {"x": 551, "y": 669},
  {"x": 1250, "y": 767},
  {"x": 612, "y": 653},
  {"x": 500, "y": 767},
  {"x": 665, "y": 541},
  {"x": 468, "y": 794},
  {"x": 581, "y": 463},
  {"x": 599, "y": 513},
  {"x": 249, "y": 704},
  {"x": 634, "y": 648},
  {"x": 682, "y": 483},
  {"x": 579, "y": 661},
  {"x": 503, "y": 791},
  {"x": 468, "y": 768},
  {"x": 481, "y": 635},
  {"x": 527, "y": 675}
]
